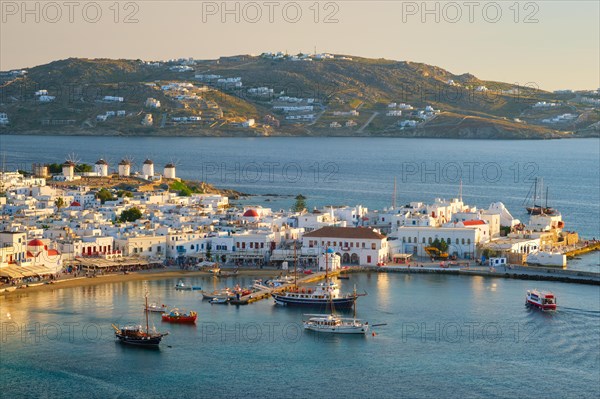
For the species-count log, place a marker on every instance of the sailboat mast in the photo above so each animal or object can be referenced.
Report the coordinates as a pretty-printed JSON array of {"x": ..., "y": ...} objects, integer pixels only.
[
  {"x": 546, "y": 197},
  {"x": 326, "y": 266},
  {"x": 295, "y": 266},
  {"x": 147, "y": 327},
  {"x": 354, "y": 304},
  {"x": 535, "y": 191}
]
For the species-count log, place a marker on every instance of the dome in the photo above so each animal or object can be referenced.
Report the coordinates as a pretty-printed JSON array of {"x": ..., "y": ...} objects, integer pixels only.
[
  {"x": 251, "y": 213},
  {"x": 35, "y": 243},
  {"x": 75, "y": 203}
]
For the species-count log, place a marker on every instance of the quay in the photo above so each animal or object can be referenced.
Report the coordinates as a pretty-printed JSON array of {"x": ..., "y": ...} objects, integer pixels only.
[
  {"x": 514, "y": 272},
  {"x": 266, "y": 293},
  {"x": 594, "y": 246}
]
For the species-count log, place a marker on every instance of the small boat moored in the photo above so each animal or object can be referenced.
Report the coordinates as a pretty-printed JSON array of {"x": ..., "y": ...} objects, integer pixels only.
[
  {"x": 218, "y": 301},
  {"x": 542, "y": 300},
  {"x": 175, "y": 316},
  {"x": 156, "y": 308}
]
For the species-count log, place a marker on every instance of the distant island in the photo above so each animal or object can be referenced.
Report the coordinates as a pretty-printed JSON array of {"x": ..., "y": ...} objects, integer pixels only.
[{"x": 278, "y": 94}]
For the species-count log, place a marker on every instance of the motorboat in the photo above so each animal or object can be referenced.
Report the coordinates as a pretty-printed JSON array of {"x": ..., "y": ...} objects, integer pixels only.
[
  {"x": 542, "y": 300},
  {"x": 334, "y": 324},
  {"x": 180, "y": 286}
]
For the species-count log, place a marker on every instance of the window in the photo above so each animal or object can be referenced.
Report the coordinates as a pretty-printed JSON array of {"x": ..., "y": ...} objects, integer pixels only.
[
  {"x": 262, "y": 244},
  {"x": 449, "y": 241},
  {"x": 468, "y": 241},
  {"x": 423, "y": 240},
  {"x": 463, "y": 241},
  {"x": 373, "y": 246},
  {"x": 415, "y": 240},
  {"x": 335, "y": 243},
  {"x": 149, "y": 249},
  {"x": 404, "y": 239},
  {"x": 429, "y": 240},
  {"x": 457, "y": 241}
]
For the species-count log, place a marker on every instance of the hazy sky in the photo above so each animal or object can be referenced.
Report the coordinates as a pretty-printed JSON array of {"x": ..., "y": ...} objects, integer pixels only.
[{"x": 552, "y": 43}]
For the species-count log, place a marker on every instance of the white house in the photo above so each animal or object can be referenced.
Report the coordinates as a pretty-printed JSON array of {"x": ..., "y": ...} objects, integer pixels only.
[{"x": 355, "y": 245}]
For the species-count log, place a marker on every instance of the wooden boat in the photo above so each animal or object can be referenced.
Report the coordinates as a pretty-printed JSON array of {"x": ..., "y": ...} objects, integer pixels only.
[
  {"x": 222, "y": 294},
  {"x": 219, "y": 301},
  {"x": 136, "y": 335},
  {"x": 175, "y": 316}
]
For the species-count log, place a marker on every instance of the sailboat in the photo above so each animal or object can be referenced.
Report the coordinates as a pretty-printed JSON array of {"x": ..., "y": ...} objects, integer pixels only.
[
  {"x": 334, "y": 324},
  {"x": 537, "y": 191},
  {"x": 324, "y": 295},
  {"x": 136, "y": 335}
]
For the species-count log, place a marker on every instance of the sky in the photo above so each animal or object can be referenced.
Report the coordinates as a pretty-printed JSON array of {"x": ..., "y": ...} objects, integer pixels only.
[{"x": 553, "y": 44}]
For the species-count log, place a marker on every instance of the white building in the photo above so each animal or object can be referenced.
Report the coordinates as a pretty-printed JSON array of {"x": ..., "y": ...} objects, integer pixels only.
[
  {"x": 355, "y": 245},
  {"x": 68, "y": 170},
  {"x": 148, "y": 169},
  {"x": 101, "y": 168},
  {"x": 124, "y": 168},
  {"x": 169, "y": 171}
]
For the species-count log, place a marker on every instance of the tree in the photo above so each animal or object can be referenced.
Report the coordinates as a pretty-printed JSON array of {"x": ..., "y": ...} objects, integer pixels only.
[
  {"x": 104, "y": 195},
  {"x": 60, "y": 203},
  {"x": 130, "y": 215},
  {"x": 442, "y": 245},
  {"x": 300, "y": 204}
]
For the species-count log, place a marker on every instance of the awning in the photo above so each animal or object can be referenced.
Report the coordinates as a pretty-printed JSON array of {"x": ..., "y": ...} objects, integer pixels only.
[{"x": 11, "y": 272}]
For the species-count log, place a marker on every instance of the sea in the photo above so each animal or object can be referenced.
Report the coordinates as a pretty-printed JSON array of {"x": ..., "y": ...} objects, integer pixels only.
[{"x": 442, "y": 335}]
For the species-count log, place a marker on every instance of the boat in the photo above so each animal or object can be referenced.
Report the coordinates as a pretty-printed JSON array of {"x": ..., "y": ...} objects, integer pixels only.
[
  {"x": 175, "y": 316},
  {"x": 536, "y": 192},
  {"x": 136, "y": 335},
  {"x": 324, "y": 295},
  {"x": 224, "y": 293},
  {"x": 180, "y": 286},
  {"x": 219, "y": 301},
  {"x": 334, "y": 324},
  {"x": 278, "y": 282},
  {"x": 154, "y": 307},
  {"x": 542, "y": 300},
  {"x": 221, "y": 273}
]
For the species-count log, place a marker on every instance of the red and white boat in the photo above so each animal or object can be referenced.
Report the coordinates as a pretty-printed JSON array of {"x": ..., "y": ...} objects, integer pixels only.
[{"x": 542, "y": 300}]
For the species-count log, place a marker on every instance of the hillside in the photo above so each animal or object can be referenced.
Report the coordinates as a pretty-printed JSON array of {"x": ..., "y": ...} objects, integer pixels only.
[{"x": 276, "y": 94}]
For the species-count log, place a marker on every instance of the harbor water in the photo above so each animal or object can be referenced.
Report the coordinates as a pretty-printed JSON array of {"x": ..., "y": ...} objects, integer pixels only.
[{"x": 464, "y": 336}]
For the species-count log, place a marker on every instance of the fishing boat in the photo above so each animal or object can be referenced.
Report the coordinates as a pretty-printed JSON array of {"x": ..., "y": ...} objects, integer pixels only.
[
  {"x": 136, "y": 335},
  {"x": 156, "y": 308},
  {"x": 323, "y": 295},
  {"x": 542, "y": 300},
  {"x": 175, "y": 316},
  {"x": 180, "y": 286},
  {"x": 334, "y": 324},
  {"x": 219, "y": 301}
]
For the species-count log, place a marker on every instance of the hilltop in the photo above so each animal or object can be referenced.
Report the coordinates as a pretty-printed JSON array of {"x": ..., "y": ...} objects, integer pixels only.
[{"x": 282, "y": 95}]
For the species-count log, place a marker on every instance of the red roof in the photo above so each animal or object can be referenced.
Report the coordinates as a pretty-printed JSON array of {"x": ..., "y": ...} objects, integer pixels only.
[
  {"x": 35, "y": 243},
  {"x": 473, "y": 222},
  {"x": 53, "y": 252},
  {"x": 251, "y": 213},
  {"x": 345, "y": 232},
  {"x": 75, "y": 203}
]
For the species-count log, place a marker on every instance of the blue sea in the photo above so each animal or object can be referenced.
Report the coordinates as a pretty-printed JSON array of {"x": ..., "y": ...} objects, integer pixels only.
[{"x": 446, "y": 336}]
